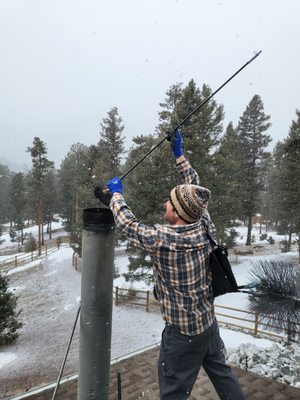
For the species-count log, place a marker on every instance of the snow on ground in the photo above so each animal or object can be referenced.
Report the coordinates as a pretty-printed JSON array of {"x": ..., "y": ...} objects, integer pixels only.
[
  {"x": 49, "y": 295},
  {"x": 6, "y": 242}
]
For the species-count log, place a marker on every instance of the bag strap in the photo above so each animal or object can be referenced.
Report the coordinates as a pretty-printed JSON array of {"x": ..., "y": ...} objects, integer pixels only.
[{"x": 212, "y": 241}]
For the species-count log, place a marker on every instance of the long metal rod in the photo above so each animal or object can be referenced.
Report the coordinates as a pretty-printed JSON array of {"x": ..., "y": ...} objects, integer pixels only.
[
  {"x": 66, "y": 355},
  {"x": 192, "y": 113}
]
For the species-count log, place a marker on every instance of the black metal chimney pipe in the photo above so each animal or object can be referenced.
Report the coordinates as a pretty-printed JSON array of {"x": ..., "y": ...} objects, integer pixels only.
[{"x": 96, "y": 304}]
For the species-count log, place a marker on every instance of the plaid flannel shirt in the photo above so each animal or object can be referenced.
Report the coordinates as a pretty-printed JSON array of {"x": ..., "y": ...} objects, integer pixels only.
[{"x": 180, "y": 255}]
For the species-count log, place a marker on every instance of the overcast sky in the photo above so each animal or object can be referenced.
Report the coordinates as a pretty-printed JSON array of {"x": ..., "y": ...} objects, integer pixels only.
[{"x": 65, "y": 64}]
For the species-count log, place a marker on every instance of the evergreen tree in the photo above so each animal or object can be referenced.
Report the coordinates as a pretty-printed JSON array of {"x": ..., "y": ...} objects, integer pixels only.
[
  {"x": 252, "y": 127},
  {"x": 284, "y": 191},
  {"x": 5, "y": 206},
  {"x": 110, "y": 147},
  {"x": 201, "y": 132},
  {"x": 292, "y": 159},
  {"x": 76, "y": 191},
  {"x": 18, "y": 202},
  {"x": 148, "y": 186},
  {"x": 274, "y": 188},
  {"x": 51, "y": 197},
  {"x": 9, "y": 323},
  {"x": 225, "y": 202},
  {"x": 40, "y": 167}
]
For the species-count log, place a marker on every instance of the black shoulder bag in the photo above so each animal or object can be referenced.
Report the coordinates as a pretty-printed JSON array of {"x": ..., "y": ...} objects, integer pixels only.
[{"x": 223, "y": 280}]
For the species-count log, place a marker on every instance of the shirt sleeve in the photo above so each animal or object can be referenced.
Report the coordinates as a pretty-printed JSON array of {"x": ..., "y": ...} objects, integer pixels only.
[
  {"x": 187, "y": 174},
  {"x": 140, "y": 235}
]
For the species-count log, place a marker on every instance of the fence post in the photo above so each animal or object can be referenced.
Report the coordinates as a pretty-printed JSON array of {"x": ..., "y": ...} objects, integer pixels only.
[
  {"x": 16, "y": 261},
  {"x": 46, "y": 249},
  {"x": 255, "y": 324},
  {"x": 147, "y": 304},
  {"x": 117, "y": 296},
  {"x": 31, "y": 255}
]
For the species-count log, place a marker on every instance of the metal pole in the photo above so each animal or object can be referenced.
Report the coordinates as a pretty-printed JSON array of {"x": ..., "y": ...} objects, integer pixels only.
[
  {"x": 96, "y": 304},
  {"x": 66, "y": 355},
  {"x": 190, "y": 115}
]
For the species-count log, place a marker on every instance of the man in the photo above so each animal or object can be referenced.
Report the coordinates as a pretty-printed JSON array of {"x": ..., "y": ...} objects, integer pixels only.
[{"x": 180, "y": 254}]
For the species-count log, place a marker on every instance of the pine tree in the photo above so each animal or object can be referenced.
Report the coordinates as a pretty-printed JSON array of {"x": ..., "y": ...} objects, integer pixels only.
[
  {"x": 110, "y": 147},
  {"x": 274, "y": 191},
  {"x": 9, "y": 323},
  {"x": 225, "y": 202},
  {"x": 284, "y": 187},
  {"x": 76, "y": 191},
  {"x": 148, "y": 186},
  {"x": 292, "y": 151},
  {"x": 51, "y": 197},
  {"x": 252, "y": 127},
  {"x": 18, "y": 202},
  {"x": 201, "y": 132},
  {"x": 6, "y": 211},
  {"x": 40, "y": 167}
]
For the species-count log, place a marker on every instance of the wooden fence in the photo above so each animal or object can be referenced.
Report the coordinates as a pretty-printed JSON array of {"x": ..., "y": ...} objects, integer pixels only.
[
  {"x": 233, "y": 317},
  {"x": 253, "y": 322},
  {"x": 131, "y": 296},
  {"x": 23, "y": 258}
]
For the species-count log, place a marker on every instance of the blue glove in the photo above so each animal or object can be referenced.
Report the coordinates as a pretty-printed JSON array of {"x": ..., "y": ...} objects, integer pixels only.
[
  {"x": 115, "y": 185},
  {"x": 177, "y": 144}
]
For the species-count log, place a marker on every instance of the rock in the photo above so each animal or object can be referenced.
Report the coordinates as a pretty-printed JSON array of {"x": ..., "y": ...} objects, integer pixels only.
[
  {"x": 234, "y": 360},
  {"x": 288, "y": 379}
]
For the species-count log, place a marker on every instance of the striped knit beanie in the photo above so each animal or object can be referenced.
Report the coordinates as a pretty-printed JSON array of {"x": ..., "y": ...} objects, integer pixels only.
[{"x": 190, "y": 201}]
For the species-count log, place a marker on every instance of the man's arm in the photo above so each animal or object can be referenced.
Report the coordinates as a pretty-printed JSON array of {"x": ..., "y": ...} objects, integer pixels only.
[
  {"x": 186, "y": 173},
  {"x": 140, "y": 235}
]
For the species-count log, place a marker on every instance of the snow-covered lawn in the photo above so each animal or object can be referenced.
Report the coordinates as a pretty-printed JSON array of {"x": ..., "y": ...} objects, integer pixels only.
[{"x": 49, "y": 294}]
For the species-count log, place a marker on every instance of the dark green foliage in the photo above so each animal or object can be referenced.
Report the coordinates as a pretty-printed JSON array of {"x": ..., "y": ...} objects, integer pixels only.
[
  {"x": 13, "y": 235},
  {"x": 5, "y": 204},
  {"x": 149, "y": 184},
  {"x": 274, "y": 295},
  {"x": 41, "y": 168},
  {"x": 76, "y": 190},
  {"x": 140, "y": 267},
  {"x": 40, "y": 163},
  {"x": 229, "y": 239},
  {"x": 147, "y": 188},
  {"x": 51, "y": 198},
  {"x": 18, "y": 196},
  {"x": 18, "y": 199},
  {"x": 30, "y": 243},
  {"x": 9, "y": 323},
  {"x": 253, "y": 141},
  {"x": 202, "y": 132},
  {"x": 284, "y": 188},
  {"x": 225, "y": 203},
  {"x": 110, "y": 147}
]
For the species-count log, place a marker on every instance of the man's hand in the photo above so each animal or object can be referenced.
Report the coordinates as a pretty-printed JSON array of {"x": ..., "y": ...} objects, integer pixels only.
[
  {"x": 177, "y": 144},
  {"x": 115, "y": 185}
]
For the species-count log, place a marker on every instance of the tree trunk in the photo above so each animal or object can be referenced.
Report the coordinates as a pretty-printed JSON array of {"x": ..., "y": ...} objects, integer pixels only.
[
  {"x": 299, "y": 246},
  {"x": 39, "y": 226},
  {"x": 290, "y": 237},
  {"x": 42, "y": 222},
  {"x": 249, "y": 240}
]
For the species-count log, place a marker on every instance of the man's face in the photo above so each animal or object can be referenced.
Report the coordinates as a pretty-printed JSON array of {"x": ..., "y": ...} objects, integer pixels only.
[{"x": 170, "y": 214}]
